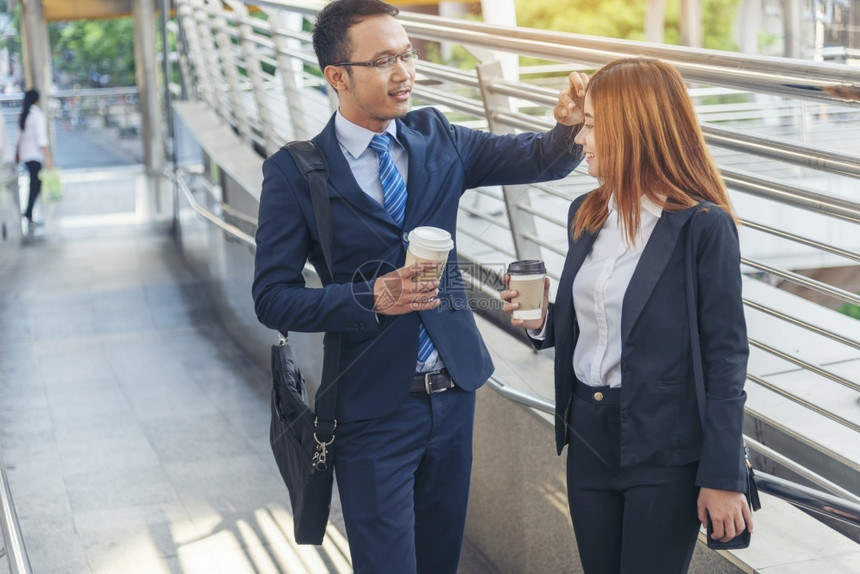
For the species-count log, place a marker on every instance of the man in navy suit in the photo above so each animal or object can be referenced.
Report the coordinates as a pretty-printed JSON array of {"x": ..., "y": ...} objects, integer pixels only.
[{"x": 404, "y": 434}]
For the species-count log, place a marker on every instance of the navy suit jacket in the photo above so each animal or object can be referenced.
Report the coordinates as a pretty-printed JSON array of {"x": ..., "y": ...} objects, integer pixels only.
[
  {"x": 379, "y": 352},
  {"x": 660, "y": 422}
]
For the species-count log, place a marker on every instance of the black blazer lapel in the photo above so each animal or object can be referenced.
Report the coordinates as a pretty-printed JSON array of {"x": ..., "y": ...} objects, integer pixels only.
[
  {"x": 654, "y": 258},
  {"x": 416, "y": 186}
]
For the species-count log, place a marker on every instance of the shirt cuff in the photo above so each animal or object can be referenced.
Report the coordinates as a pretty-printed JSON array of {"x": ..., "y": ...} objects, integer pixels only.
[{"x": 538, "y": 334}]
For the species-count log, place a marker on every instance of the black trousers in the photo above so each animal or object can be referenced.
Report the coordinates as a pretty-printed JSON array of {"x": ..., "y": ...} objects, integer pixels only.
[
  {"x": 33, "y": 167},
  {"x": 639, "y": 519}
]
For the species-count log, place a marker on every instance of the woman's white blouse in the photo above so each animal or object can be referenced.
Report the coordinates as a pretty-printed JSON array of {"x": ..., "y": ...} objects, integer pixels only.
[
  {"x": 598, "y": 294},
  {"x": 34, "y": 137}
]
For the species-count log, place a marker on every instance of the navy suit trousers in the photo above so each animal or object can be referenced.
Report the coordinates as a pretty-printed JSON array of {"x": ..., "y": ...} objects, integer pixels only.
[
  {"x": 633, "y": 520},
  {"x": 404, "y": 484}
]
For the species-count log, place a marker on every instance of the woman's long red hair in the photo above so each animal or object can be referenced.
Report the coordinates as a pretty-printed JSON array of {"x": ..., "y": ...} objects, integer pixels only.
[{"x": 648, "y": 144}]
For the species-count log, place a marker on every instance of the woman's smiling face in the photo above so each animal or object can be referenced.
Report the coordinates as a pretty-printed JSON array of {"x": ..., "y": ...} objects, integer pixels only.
[{"x": 585, "y": 138}]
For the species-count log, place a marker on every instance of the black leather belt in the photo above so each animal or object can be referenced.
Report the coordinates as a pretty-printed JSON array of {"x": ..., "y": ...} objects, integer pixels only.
[{"x": 431, "y": 383}]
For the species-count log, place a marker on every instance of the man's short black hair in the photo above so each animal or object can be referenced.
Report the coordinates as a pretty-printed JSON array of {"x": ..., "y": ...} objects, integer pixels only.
[{"x": 331, "y": 40}]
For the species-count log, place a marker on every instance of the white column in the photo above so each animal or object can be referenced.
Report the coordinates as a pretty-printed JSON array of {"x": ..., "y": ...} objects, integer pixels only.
[
  {"x": 655, "y": 21},
  {"x": 455, "y": 10},
  {"x": 501, "y": 13},
  {"x": 749, "y": 22},
  {"x": 691, "y": 23},
  {"x": 146, "y": 70},
  {"x": 37, "y": 63},
  {"x": 36, "y": 56},
  {"x": 793, "y": 36}
]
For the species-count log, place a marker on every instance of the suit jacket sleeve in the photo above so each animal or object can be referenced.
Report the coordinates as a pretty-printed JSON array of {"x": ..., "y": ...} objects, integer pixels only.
[
  {"x": 509, "y": 159},
  {"x": 725, "y": 349},
  {"x": 549, "y": 333},
  {"x": 284, "y": 244}
]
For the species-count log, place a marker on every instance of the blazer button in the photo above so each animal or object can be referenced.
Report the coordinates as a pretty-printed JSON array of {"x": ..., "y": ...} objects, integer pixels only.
[
  {"x": 598, "y": 396},
  {"x": 405, "y": 237}
]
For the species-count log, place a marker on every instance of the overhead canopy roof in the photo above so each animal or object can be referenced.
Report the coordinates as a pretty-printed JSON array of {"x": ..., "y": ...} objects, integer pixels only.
[{"x": 60, "y": 10}]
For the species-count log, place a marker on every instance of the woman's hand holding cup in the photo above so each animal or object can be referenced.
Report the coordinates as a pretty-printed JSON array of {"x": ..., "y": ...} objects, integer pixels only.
[{"x": 522, "y": 296}]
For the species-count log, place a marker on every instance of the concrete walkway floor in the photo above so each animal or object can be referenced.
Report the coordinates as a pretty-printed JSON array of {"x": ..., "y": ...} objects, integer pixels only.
[
  {"x": 134, "y": 433},
  {"x": 133, "y": 430}
]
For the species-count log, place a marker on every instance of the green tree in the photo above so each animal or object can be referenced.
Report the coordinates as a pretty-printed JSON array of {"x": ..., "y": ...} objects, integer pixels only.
[
  {"x": 10, "y": 23},
  {"x": 851, "y": 310},
  {"x": 94, "y": 53},
  {"x": 626, "y": 20}
]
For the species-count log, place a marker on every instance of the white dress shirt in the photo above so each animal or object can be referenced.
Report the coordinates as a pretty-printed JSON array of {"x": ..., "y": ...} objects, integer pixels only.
[
  {"x": 598, "y": 294},
  {"x": 364, "y": 163},
  {"x": 34, "y": 137}
]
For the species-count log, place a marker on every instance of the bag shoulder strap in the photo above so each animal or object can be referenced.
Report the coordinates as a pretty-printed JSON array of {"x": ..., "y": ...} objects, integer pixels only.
[
  {"x": 693, "y": 319},
  {"x": 313, "y": 166}
]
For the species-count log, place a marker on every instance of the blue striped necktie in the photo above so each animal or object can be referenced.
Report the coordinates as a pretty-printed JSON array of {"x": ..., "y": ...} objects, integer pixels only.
[{"x": 394, "y": 196}]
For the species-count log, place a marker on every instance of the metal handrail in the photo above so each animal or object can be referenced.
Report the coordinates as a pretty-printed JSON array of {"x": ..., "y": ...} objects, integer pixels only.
[
  {"x": 782, "y": 76},
  {"x": 775, "y": 148},
  {"x": 793, "y": 493},
  {"x": 832, "y": 83},
  {"x": 210, "y": 216},
  {"x": 803, "y": 281},
  {"x": 791, "y": 195},
  {"x": 809, "y": 405},
  {"x": 813, "y": 477},
  {"x": 814, "y": 81},
  {"x": 803, "y": 324},
  {"x": 15, "y": 549},
  {"x": 833, "y": 250}
]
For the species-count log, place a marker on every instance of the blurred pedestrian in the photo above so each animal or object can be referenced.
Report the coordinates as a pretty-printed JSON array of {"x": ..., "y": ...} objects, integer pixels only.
[{"x": 33, "y": 147}]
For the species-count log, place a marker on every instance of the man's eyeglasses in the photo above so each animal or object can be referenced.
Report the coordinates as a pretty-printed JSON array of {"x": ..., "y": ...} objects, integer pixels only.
[{"x": 386, "y": 62}]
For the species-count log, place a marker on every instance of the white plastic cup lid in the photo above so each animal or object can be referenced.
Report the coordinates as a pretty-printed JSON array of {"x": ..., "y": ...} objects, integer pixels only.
[{"x": 431, "y": 238}]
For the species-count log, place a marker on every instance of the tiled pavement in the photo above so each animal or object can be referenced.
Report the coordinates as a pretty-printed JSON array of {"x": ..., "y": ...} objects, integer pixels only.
[{"x": 134, "y": 433}]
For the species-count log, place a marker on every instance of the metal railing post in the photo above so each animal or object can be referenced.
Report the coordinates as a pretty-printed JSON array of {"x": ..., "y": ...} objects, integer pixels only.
[
  {"x": 188, "y": 24},
  {"x": 289, "y": 69},
  {"x": 209, "y": 58},
  {"x": 15, "y": 549},
  {"x": 224, "y": 45},
  {"x": 253, "y": 69},
  {"x": 522, "y": 222}
]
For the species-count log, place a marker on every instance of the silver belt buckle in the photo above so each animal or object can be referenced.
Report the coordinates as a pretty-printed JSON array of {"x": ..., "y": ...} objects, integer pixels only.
[{"x": 427, "y": 385}]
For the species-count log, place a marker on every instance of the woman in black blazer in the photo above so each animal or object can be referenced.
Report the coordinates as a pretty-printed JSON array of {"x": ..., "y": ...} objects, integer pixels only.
[{"x": 643, "y": 469}]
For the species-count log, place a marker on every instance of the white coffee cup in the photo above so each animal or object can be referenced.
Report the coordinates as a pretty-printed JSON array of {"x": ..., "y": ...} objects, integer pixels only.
[
  {"x": 527, "y": 278},
  {"x": 429, "y": 244}
]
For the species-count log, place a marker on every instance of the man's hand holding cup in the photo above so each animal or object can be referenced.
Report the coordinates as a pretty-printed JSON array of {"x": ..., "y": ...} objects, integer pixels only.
[{"x": 401, "y": 291}]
